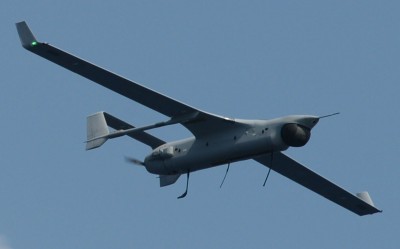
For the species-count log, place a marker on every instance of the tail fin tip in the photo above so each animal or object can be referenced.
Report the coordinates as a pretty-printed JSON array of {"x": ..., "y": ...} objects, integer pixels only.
[{"x": 97, "y": 129}]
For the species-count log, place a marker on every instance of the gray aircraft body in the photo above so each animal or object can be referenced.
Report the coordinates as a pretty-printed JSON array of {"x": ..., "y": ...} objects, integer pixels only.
[{"x": 217, "y": 140}]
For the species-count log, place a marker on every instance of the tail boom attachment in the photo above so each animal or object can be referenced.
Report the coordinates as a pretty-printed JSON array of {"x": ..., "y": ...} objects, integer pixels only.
[{"x": 98, "y": 132}]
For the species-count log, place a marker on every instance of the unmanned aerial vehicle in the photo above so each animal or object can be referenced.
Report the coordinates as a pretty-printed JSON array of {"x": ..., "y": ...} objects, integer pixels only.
[{"x": 217, "y": 140}]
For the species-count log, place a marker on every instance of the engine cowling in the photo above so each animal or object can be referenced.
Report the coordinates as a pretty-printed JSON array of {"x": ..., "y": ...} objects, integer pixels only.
[{"x": 295, "y": 135}]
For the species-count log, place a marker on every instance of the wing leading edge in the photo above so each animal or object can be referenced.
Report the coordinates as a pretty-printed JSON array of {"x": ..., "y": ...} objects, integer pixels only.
[
  {"x": 203, "y": 124},
  {"x": 284, "y": 165}
]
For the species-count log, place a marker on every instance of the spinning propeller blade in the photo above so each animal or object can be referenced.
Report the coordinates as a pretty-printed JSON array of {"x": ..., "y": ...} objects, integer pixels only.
[{"x": 134, "y": 161}]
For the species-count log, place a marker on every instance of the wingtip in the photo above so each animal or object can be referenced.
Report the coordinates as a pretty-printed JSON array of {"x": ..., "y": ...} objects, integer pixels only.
[
  {"x": 364, "y": 196},
  {"x": 26, "y": 36}
]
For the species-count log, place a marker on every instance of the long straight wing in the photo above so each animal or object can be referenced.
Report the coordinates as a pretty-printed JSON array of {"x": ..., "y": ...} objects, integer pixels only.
[
  {"x": 311, "y": 180},
  {"x": 203, "y": 124}
]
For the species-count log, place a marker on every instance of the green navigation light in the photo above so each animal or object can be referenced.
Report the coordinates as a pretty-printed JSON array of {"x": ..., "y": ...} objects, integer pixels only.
[{"x": 34, "y": 43}]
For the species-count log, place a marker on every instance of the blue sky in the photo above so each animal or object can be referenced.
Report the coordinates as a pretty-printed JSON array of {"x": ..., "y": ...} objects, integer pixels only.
[{"x": 243, "y": 59}]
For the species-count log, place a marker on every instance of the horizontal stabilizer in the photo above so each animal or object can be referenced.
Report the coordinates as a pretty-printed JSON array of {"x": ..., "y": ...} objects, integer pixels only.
[{"x": 166, "y": 180}]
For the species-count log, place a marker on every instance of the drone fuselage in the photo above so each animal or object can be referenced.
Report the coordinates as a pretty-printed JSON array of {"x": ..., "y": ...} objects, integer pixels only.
[{"x": 245, "y": 139}]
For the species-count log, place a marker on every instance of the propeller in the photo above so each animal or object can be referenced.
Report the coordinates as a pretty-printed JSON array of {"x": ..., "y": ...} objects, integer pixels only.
[{"x": 134, "y": 161}]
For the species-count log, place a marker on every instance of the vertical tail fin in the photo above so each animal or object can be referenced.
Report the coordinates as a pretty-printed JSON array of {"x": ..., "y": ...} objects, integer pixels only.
[
  {"x": 166, "y": 180},
  {"x": 97, "y": 129}
]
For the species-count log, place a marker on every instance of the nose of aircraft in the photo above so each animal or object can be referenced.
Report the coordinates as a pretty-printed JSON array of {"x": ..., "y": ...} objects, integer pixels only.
[
  {"x": 311, "y": 121},
  {"x": 297, "y": 130},
  {"x": 308, "y": 121}
]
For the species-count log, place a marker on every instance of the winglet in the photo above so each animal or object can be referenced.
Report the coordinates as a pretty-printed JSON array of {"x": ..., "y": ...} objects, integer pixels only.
[
  {"x": 366, "y": 198},
  {"x": 28, "y": 40}
]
